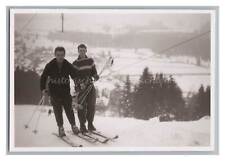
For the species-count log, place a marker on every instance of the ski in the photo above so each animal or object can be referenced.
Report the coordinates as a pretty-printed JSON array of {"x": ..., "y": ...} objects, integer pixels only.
[
  {"x": 91, "y": 138},
  {"x": 67, "y": 140},
  {"x": 87, "y": 138},
  {"x": 105, "y": 140},
  {"x": 98, "y": 133},
  {"x": 84, "y": 137},
  {"x": 94, "y": 138}
]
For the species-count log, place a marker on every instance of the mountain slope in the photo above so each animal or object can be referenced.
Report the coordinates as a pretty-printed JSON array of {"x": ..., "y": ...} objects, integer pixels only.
[{"x": 132, "y": 132}]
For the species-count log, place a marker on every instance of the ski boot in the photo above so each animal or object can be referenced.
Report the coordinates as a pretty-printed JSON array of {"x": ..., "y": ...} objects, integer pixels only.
[
  {"x": 75, "y": 129},
  {"x": 83, "y": 128},
  {"x": 61, "y": 132},
  {"x": 91, "y": 127}
]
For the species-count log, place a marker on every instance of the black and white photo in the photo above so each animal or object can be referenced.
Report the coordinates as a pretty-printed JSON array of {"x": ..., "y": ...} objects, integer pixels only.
[{"x": 112, "y": 80}]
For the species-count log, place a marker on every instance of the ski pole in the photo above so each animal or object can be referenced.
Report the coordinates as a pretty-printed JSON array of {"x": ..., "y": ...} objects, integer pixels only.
[
  {"x": 103, "y": 68},
  {"x": 34, "y": 111},
  {"x": 85, "y": 94},
  {"x": 108, "y": 62},
  {"x": 38, "y": 120},
  {"x": 86, "y": 91}
]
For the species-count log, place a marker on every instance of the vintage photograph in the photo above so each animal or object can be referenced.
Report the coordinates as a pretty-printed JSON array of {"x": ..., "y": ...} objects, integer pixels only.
[{"x": 112, "y": 79}]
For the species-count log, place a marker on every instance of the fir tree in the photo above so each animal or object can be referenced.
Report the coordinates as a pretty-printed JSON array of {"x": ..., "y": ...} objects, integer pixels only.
[
  {"x": 26, "y": 86},
  {"x": 199, "y": 104},
  {"x": 126, "y": 99},
  {"x": 143, "y": 106},
  {"x": 114, "y": 99},
  {"x": 207, "y": 101},
  {"x": 176, "y": 103}
]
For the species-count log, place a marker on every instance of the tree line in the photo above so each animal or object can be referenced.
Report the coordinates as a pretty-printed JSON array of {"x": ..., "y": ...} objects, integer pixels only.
[
  {"x": 157, "y": 95},
  {"x": 154, "y": 95},
  {"x": 26, "y": 86}
]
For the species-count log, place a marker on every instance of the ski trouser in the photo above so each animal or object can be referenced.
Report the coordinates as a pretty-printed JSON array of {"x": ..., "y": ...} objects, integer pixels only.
[
  {"x": 88, "y": 111},
  {"x": 58, "y": 104}
]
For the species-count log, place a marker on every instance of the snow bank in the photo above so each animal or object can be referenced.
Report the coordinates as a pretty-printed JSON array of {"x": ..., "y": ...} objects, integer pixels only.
[{"x": 132, "y": 132}]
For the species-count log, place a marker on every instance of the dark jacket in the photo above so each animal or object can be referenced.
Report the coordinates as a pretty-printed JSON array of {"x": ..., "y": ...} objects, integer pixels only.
[{"x": 57, "y": 80}]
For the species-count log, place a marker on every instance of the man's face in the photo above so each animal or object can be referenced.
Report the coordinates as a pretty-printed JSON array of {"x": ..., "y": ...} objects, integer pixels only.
[
  {"x": 82, "y": 52},
  {"x": 60, "y": 55}
]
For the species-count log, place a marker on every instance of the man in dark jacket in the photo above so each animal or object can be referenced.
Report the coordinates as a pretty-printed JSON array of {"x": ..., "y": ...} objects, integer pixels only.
[
  {"x": 56, "y": 76},
  {"x": 86, "y": 71}
]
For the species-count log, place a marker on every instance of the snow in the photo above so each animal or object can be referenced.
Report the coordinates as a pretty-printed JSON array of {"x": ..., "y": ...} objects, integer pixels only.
[{"x": 132, "y": 132}]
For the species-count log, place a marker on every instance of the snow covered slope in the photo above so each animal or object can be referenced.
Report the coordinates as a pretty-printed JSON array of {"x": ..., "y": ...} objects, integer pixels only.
[{"x": 132, "y": 132}]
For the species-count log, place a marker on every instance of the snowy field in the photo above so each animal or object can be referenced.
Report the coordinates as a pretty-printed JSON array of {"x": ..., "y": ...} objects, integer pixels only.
[{"x": 132, "y": 132}]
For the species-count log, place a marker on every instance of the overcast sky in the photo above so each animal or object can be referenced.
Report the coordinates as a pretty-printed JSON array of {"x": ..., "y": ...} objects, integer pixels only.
[{"x": 112, "y": 23}]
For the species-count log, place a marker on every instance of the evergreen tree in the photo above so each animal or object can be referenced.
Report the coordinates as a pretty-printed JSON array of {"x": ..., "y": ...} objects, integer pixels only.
[
  {"x": 203, "y": 107},
  {"x": 27, "y": 88},
  {"x": 176, "y": 103},
  {"x": 152, "y": 96},
  {"x": 143, "y": 106},
  {"x": 114, "y": 99},
  {"x": 199, "y": 103},
  {"x": 126, "y": 99},
  {"x": 159, "y": 94},
  {"x": 207, "y": 101}
]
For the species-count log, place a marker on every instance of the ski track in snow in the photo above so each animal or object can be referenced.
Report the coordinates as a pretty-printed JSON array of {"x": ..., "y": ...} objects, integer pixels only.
[{"x": 132, "y": 132}]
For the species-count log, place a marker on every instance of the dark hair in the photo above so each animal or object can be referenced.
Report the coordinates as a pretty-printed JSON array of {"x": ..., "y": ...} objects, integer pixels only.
[
  {"x": 60, "y": 48},
  {"x": 82, "y": 46}
]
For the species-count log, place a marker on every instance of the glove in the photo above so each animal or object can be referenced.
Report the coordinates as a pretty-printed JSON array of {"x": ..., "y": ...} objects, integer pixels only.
[{"x": 96, "y": 77}]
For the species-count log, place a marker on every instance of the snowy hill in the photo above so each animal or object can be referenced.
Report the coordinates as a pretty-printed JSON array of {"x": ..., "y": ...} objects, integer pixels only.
[{"x": 132, "y": 132}]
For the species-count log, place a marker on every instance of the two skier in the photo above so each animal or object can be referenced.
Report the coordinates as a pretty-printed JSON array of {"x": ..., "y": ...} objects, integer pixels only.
[{"x": 55, "y": 83}]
